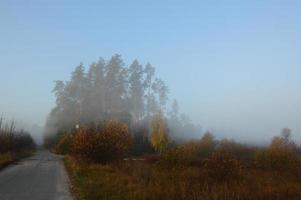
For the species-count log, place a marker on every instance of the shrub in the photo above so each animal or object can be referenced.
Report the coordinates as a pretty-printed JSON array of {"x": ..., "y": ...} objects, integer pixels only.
[
  {"x": 281, "y": 154},
  {"x": 12, "y": 140},
  {"x": 276, "y": 158},
  {"x": 193, "y": 152},
  {"x": 6, "y": 158},
  {"x": 239, "y": 151},
  {"x": 221, "y": 166},
  {"x": 102, "y": 143},
  {"x": 63, "y": 146}
]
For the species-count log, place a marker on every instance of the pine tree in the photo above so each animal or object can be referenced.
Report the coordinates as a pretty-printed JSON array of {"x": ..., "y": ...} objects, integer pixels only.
[
  {"x": 136, "y": 90},
  {"x": 116, "y": 94}
]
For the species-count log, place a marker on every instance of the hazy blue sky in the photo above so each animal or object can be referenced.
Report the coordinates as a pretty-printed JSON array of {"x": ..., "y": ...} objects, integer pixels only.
[{"x": 235, "y": 67}]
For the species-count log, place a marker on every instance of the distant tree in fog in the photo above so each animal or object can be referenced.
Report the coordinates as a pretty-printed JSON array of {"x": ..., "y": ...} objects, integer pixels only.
[
  {"x": 174, "y": 113},
  {"x": 162, "y": 91},
  {"x": 136, "y": 91},
  {"x": 96, "y": 94},
  {"x": 116, "y": 91},
  {"x": 151, "y": 101},
  {"x": 111, "y": 90},
  {"x": 180, "y": 125}
]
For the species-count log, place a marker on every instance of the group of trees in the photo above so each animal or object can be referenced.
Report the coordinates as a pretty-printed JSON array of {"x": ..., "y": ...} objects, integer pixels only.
[
  {"x": 110, "y": 90},
  {"x": 13, "y": 140}
]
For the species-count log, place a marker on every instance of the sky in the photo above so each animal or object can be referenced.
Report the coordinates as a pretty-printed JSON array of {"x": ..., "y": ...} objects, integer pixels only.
[{"x": 234, "y": 66}]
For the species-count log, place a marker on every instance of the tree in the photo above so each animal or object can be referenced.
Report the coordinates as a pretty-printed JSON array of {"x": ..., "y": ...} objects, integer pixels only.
[
  {"x": 59, "y": 90},
  {"x": 116, "y": 94},
  {"x": 77, "y": 90},
  {"x": 286, "y": 134},
  {"x": 159, "y": 134},
  {"x": 174, "y": 121},
  {"x": 151, "y": 103},
  {"x": 174, "y": 113},
  {"x": 162, "y": 91},
  {"x": 111, "y": 90},
  {"x": 284, "y": 141},
  {"x": 136, "y": 90},
  {"x": 96, "y": 93}
]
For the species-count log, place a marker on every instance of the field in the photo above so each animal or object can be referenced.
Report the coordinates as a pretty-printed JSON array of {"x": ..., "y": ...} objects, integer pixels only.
[
  {"x": 102, "y": 164},
  {"x": 143, "y": 180}
]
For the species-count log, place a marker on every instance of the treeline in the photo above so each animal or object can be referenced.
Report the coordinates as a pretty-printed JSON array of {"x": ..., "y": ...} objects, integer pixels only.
[
  {"x": 13, "y": 142},
  {"x": 110, "y": 90}
]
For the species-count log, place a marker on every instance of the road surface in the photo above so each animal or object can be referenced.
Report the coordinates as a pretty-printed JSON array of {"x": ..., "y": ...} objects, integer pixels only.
[{"x": 40, "y": 177}]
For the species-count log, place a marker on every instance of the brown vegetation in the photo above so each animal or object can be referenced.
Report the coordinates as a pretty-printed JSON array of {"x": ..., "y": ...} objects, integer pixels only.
[
  {"x": 13, "y": 143},
  {"x": 200, "y": 169},
  {"x": 95, "y": 142}
]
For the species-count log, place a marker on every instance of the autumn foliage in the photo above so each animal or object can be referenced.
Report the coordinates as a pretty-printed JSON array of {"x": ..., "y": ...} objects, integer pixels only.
[
  {"x": 13, "y": 140},
  {"x": 281, "y": 154},
  {"x": 205, "y": 168},
  {"x": 13, "y": 143},
  {"x": 96, "y": 142},
  {"x": 159, "y": 133}
]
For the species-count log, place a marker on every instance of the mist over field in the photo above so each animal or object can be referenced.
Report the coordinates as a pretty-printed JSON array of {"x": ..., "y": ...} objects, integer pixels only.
[{"x": 235, "y": 74}]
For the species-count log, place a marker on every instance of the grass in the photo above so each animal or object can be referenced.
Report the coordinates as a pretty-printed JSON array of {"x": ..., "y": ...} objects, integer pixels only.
[
  {"x": 142, "y": 180},
  {"x": 9, "y": 158},
  {"x": 6, "y": 159},
  {"x": 100, "y": 182}
]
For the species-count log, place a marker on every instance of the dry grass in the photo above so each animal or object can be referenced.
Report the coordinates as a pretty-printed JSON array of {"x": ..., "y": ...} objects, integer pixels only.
[
  {"x": 6, "y": 159},
  {"x": 9, "y": 157},
  {"x": 143, "y": 180}
]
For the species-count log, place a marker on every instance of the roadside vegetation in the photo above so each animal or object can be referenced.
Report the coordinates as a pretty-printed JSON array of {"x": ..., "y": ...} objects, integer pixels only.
[
  {"x": 200, "y": 169},
  {"x": 14, "y": 144},
  {"x": 122, "y": 142}
]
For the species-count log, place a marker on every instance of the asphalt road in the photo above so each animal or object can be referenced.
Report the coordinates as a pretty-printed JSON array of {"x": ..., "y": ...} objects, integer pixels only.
[{"x": 40, "y": 177}]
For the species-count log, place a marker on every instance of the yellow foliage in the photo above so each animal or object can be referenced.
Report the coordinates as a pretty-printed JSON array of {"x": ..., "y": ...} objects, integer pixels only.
[
  {"x": 281, "y": 154},
  {"x": 6, "y": 158},
  {"x": 159, "y": 134},
  {"x": 102, "y": 143}
]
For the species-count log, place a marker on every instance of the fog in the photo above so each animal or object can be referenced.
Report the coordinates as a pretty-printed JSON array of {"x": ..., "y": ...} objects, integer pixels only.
[
  {"x": 252, "y": 116},
  {"x": 233, "y": 68}
]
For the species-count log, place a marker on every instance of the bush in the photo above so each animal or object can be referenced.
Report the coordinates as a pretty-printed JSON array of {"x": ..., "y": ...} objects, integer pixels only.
[
  {"x": 193, "y": 152},
  {"x": 102, "y": 143},
  {"x": 63, "y": 145},
  {"x": 276, "y": 158},
  {"x": 222, "y": 166},
  {"x": 6, "y": 158},
  {"x": 281, "y": 154},
  {"x": 239, "y": 151},
  {"x": 12, "y": 140}
]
